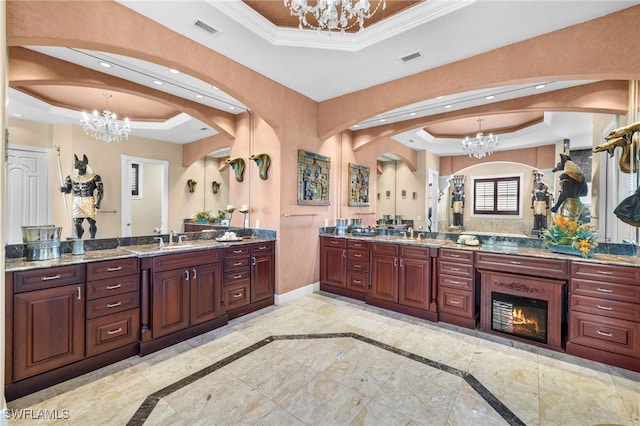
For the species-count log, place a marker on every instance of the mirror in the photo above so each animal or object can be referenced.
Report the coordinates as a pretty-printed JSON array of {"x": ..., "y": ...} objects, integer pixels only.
[{"x": 436, "y": 213}]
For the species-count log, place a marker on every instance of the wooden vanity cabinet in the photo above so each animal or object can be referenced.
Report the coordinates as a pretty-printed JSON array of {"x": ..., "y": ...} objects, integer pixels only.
[
  {"x": 263, "y": 273},
  {"x": 186, "y": 290},
  {"x": 48, "y": 319},
  {"x": 457, "y": 294},
  {"x": 401, "y": 278},
  {"x": 358, "y": 264},
  {"x": 113, "y": 304},
  {"x": 604, "y": 314},
  {"x": 333, "y": 265},
  {"x": 237, "y": 279}
]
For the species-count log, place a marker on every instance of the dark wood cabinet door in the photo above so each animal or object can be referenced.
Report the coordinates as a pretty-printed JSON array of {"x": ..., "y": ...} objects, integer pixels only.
[
  {"x": 333, "y": 266},
  {"x": 384, "y": 278},
  {"x": 48, "y": 329},
  {"x": 413, "y": 287},
  {"x": 263, "y": 276},
  {"x": 206, "y": 292},
  {"x": 170, "y": 301}
]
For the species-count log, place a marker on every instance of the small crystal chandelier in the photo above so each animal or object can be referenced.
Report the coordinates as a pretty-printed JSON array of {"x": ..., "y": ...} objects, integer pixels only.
[
  {"x": 332, "y": 15},
  {"x": 105, "y": 128},
  {"x": 480, "y": 145}
]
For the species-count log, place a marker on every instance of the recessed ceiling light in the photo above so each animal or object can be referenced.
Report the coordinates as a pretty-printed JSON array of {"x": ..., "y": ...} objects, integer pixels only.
[
  {"x": 412, "y": 113},
  {"x": 17, "y": 115},
  {"x": 105, "y": 64},
  {"x": 174, "y": 71},
  {"x": 356, "y": 125},
  {"x": 490, "y": 97},
  {"x": 214, "y": 88},
  {"x": 158, "y": 82},
  {"x": 440, "y": 97},
  {"x": 382, "y": 120},
  {"x": 203, "y": 128},
  {"x": 232, "y": 107},
  {"x": 448, "y": 106},
  {"x": 541, "y": 86},
  {"x": 199, "y": 96}
]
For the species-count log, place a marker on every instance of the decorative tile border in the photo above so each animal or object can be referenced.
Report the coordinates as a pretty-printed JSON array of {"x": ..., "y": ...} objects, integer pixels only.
[{"x": 147, "y": 407}]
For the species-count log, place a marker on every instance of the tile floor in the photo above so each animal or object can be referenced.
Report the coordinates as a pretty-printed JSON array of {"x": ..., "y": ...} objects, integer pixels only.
[{"x": 333, "y": 361}]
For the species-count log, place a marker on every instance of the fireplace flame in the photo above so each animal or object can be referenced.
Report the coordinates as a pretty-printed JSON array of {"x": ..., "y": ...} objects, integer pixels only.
[{"x": 519, "y": 318}]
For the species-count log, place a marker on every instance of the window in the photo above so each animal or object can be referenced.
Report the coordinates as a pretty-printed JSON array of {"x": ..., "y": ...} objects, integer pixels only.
[{"x": 497, "y": 196}]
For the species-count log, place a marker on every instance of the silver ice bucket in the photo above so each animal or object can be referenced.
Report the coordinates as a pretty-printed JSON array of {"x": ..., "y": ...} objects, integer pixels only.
[{"x": 43, "y": 242}]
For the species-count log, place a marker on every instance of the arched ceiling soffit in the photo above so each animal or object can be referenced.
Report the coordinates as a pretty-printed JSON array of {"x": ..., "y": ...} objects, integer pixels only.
[
  {"x": 604, "y": 52},
  {"x": 610, "y": 97},
  {"x": 389, "y": 146},
  {"x": 196, "y": 150},
  {"x": 83, "y": 25},
  {"x": 49, "y": 80}
]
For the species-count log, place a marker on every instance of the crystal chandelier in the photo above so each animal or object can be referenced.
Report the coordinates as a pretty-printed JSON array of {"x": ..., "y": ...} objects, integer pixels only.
[
  {"x": 332, "y": 15},
  {"x": 105, "y": 128},
  {"x": 480, "y": 145}
]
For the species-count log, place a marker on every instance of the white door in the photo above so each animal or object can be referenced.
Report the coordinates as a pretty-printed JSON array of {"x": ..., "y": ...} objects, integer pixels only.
[
  {"x": 147, "y": 210},
  {"x": 28, "y": 190}
]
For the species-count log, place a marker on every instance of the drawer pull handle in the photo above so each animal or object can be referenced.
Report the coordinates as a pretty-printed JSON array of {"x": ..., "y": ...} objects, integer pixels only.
[
  {"x": 602, "y": 333},
  {"x": 455, "y": 269},
  {"x": 454, "y": 302},
  {"x": 357, "y": 282},
  {"x": 118, "y": 330},
  {"x": 119, "y": 268},
  {"x": 237, "y": 295},
  {"x": 513, "y": 262},
  {"x": 357, "y": 265},
  {"x": 237, "y": 251},
  {"x": 113, "y": 287},
  {"x": 604, "y": 272},
  {"x": 357, "y": 255},
  {"x": 604, "y": 290},
  {"x": 50, "y": 277},
  {"x": 114, "y": 305},
  {"x": 605, "y": 308},
  {"x": 455, "y": 255},
  {"x": 262, "y": 248},
  {"x": 455, "y": 282},
  {"x": 237, "y": 263},
  {"x": 235, "y": 277},
  {"x": 79, "y": 293}
]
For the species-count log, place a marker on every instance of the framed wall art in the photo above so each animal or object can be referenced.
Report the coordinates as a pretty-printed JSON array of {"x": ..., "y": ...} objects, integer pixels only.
[
  {"x": 313, "y": 179},
  {"x": 358, "y": 185}
]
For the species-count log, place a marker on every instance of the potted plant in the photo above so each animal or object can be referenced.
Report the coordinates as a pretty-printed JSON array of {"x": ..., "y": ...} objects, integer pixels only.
[
  {"x": 570, "y": 237},
  {"x": 203, "y": 216}
]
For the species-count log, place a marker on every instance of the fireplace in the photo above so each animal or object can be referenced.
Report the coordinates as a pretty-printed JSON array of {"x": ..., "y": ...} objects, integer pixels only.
[{"x": 523, "y": 308}]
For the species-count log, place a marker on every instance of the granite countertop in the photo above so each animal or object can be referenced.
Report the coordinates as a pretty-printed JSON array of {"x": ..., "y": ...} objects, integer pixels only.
[
  {"x": 146, "y": 250},
  {"x": 511, "y": 249}
]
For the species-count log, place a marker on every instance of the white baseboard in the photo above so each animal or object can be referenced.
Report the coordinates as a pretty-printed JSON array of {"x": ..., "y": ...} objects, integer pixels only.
[{"x": 279, "y": 299}]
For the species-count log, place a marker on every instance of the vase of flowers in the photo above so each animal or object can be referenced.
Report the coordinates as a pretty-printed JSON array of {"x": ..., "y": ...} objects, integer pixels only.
[
  {"x": 570, "y": 237},
  {"x": 203, "y": 216}
]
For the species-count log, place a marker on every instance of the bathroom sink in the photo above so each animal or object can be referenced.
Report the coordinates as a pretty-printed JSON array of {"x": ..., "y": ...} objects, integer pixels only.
[{"x": 177, "y": 246}]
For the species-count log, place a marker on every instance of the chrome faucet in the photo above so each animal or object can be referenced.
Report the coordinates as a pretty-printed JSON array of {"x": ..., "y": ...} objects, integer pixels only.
[
  {"x": 180, "y": 237},
  {"x": 171, "y": 234},
  {"x": 420, "y": 235},
  {"x": 160, "y": 241},
  {"x": 410, "y": 230}
]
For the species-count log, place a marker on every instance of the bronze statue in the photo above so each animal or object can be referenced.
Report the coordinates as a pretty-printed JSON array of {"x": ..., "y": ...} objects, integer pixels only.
[
  {"x": 84, "y": 183},
  {"x": 263, "y": 161},
  {"x": 237, "y": 164},
  {"x": 573, "y": 185}
]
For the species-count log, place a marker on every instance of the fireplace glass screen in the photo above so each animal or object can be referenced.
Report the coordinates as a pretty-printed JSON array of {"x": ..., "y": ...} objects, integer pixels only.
[{"x": 519, "y": 316}]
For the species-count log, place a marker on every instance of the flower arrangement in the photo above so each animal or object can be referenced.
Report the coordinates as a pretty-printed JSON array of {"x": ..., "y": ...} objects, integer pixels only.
[
  {"x": 569, "y": 232},
  {"x": 203, "y": 215}
]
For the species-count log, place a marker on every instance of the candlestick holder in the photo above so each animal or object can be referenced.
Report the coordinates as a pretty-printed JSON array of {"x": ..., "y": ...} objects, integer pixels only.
[
  {"x": 230, "y": 213},
  {"x": 244, "y": 211}
]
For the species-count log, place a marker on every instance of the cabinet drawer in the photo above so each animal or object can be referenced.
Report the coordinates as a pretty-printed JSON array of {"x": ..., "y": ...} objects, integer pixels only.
[
  {"x": 358, "y": 281},
  {"x": 457, "y": 269},
  {"x": 457, "y": 256},
  {"x": 112, "y": 331},
  {"x": 185, "y": 260},
  {"x": 607, "y": 334},
  {"x": 453, "y": 281},
  {"x": 37, "y": 279},
  {"x": 112, "y": 304},
  {"x": 109, "y": 287},
  {"x": 606, "y": 290},
  {"x": 362, "y": 256},
  {"x": 358, "y": 265},
  {"x": 235, "y": 276},
  {"x": 265, "y": 247},
  {"x": 606, "y": 273},
  {"x": 334, "y": 242},
  {"x": 236, "y": 263},
  {"x": 236, "y": 295},
  {"x": 384, "y": 249},
  {"x": 608, "y": 308},
  {"x": 358, "y": 245},
  {"x": 112, "y": 268},
  {"x": 455, "y": 302},
  {"x": 236, "y": 251},
  {"x": 414, "y": 252},
  {"x": 536, "y": 266}
]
